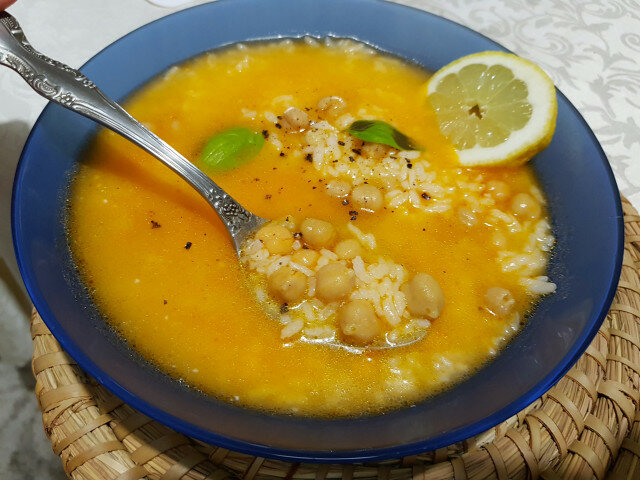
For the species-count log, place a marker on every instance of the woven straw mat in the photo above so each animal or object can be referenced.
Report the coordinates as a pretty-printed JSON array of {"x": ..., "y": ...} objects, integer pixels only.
[{"x": 586, "y": 426}]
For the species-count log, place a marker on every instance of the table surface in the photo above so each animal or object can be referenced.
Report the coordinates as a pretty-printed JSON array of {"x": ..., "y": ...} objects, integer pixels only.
[{"x": 590, "y": 49}]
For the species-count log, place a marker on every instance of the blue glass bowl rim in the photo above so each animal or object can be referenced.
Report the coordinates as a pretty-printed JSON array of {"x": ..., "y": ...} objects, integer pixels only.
[{"x": 292, "y": 455}]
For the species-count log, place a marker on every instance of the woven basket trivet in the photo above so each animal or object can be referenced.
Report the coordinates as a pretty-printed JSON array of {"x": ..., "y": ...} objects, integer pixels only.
[{"x": 586, "y": 426}]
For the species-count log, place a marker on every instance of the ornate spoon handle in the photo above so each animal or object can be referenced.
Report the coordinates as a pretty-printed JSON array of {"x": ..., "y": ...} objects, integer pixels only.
[{"x": 65, "y": 86}]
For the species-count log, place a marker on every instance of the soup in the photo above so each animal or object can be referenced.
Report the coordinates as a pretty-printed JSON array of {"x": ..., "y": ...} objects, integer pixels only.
[{"x": 161, "y": 267}]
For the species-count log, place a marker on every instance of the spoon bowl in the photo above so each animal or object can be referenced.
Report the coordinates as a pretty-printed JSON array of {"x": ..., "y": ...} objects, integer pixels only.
[{"x": 386, "y": 345}]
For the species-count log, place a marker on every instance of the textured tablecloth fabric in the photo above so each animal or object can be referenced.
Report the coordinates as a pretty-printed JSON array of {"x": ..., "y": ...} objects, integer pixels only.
[{"x": 590, "y": 49}]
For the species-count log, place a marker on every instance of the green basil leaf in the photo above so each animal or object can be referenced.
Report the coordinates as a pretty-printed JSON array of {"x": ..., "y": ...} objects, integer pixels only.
[
  {"x": 230, "y": 149},
  {"x": 377, "y": 131}
]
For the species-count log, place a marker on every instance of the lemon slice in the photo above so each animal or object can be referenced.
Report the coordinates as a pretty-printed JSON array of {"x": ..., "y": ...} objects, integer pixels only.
[{"x": 496, "y": 108}]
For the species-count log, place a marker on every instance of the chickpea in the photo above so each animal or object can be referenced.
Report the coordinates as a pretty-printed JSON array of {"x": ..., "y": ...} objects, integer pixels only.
[
  {"x": 295, "y": 119},
  {"x": 287, "y": 284},
  {"x": 367, "y": 197},
  {"x": 331, "y": 105},
  {"x": 306, "y": 258},
  {"x": 524, "y": 205},
  {"x": 348, "y": 249},
  {"x": 499, "y": 189},
  {"x": 318, "y": 233},
  {"x": 467, "y": 216},
  {"x": 276, "y": 238},
  {"x": 424, "y": 296},
  {"x": 334, "y": 281},
  {"x": 499, "y": 300},
  {"x": 375, "y": 151},
  {"x": 358, "y": 322},
  {"x": 338, "y": 188}
]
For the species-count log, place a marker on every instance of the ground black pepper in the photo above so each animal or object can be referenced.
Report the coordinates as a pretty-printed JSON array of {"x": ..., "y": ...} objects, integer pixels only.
[
  {"x": 309, "y": 157},
  {"x": 188, "y": 246},
  {"x": 155, "y": 224}
]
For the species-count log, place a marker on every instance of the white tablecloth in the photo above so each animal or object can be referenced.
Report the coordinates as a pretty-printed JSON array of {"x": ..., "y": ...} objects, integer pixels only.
[{"x": 591, "y": 50}]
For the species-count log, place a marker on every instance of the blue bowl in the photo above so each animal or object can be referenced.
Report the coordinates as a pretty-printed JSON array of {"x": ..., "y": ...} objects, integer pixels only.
[{"x": 574, "y": 171}]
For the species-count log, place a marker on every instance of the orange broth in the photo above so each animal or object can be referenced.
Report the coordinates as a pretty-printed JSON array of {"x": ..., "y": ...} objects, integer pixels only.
[{"x": 191, "y": 312}]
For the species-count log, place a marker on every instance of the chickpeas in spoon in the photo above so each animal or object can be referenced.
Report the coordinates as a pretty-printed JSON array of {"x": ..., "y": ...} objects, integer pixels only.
[{"x": 332, "y": 289}]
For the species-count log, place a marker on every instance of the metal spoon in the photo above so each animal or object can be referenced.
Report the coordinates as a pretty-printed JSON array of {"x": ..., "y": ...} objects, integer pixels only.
[
  {"x": 65, "y": 86},
  {"x": 68, "y": 87}
]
